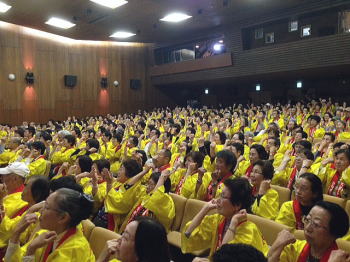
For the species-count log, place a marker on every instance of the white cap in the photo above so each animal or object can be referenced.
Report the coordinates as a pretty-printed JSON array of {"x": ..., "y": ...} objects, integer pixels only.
[{"x": 17, "y": 168}]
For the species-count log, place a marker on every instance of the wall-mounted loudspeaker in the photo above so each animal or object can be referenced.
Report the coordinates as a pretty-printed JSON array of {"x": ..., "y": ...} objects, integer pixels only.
[
  {"x": 104, "y": 82},
  {"x": 29, "y": 78},
  {"x": 135, "y": 84},
  {"x": 70, "y": 81}
]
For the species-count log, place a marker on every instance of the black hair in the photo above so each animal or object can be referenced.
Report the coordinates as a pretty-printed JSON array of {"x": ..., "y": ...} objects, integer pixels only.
[
  {"x": 276, "y": 141},
  {"x": 77, "y": 131},
  {"x": 40, "y": 188},
  {"x": 31, "y": 130},
  {"x": 197, "y": 157},
  {"x": 167, "y": 154},
  {"x": 177, "y": 128},
  {"x": 144, "y": 156},
  {"x": 267, "y": 168},
  {"x": 222, "y": 136},
  {"x": 239, "y": 147},
  {"x": 339, "y": 222},
  {"x": 132, "y": 167},
  {"x": 316, "y": 118},
  {"x": 39, "y": 146},
  {"x": 79, "y": 206},
  {"x": 65, "y": 182},
  {"x": 71, "y": 139},
  {"x": 101, "y": 164},
  {"x": 46, "y": 135},
  {"x": 228, "y": 157},
  {"x": 85, "y": 163},
  {"x": 338, "y": 144},
  {"x": 343, "y": 151},
  {"x": 238, "y": 253},
  {"x": 316, "y": 185},
  {"x": 241, "y": 192},
  {"x": 304, "y": 143},
  {"x": 107, "y": 134},
  {"x": 20, "y": 131},
  {"x": 134, "y": 140},
  {"x": 303, "y": 134},
  {"x": 142, "y": 124},
  {"x": 118, "y": 136},
  {"x": 309, "y": 155},
  {"x": 261, "y": 151},
  {"x": 167, "y": 184},
  {"x": 151, "y": 236},
  {"x": 240, "y": 136},
  {"x": 331, "y": 135},
  {"x": 93, "y": 143}
]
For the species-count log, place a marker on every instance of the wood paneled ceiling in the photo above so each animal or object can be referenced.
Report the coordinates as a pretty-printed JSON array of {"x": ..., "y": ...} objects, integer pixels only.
[{"x": 95, "y": 22}]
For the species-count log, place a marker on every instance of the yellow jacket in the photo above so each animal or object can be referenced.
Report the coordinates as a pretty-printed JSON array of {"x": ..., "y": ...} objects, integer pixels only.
[
  {"x": 37, "y": 167},
  {"x": 286, "y": 215},
  {"x": 268, "y": 205},
  {"x": 62, "y": 156},
  {"x": 6, "y": 156},
  {"x": 13, "y": 203},
  {"x": 292, "y": 252},
  {"x": 326, "y": 175},
  {"x": 206, "y": 235}
]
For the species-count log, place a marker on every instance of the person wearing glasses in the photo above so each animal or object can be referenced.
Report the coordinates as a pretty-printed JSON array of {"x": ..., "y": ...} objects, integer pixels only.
[
  {"x": 61, "y": 240},
  {"x": 323, "y": 225},
  {"x": 266, "y": 202},
  {"x": 230, "y": 225},
  {"x": 308, "y": 191}
]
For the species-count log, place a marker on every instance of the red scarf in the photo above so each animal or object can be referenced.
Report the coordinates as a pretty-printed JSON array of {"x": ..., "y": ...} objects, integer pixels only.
[
  {"x": 140, "y": 210},
  {"x": 333, "y": 189},
  {"x": 49, "y": 247},
  {"x": 312, "y": 131},
  {"x": 117, "y": 148},
  {"x": 221, "y": 232},
  {"x": 298, "y": 214},
  {"x": 249, "y": 170},
  {"x": 210, "y": 192},
  {"x": 162, "y": 168},
  {"x": 18, "y": 190},
  {"x": 21, "y": 211},
  {"x": 180, "y": 184},
  {"x": 292, "y": 178},
  {"x": 110, "y": 217},
  {"x": 304, "y": 255}
]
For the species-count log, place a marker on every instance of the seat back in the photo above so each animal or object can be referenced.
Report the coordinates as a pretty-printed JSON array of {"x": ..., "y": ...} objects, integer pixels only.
[
  {"x": 48, "y": 167},
  {"x": 88, "y": 226},
  {"x": 336, "y": 200},
  {"x": 283, "y": 193},
  {"x": 180, "y": 203},
  {"x": 343, "y": 245},
  {"x": 268, "y": 228},
  {"x": 193, "y": 206},
  {"x": 98, "y": 238},
  {"x": 299, "y": 234},
  {"x": 347, "y": 208}
]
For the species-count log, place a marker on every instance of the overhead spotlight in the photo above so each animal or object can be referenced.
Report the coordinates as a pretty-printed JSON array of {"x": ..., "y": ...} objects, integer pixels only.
[
  {"x": 221, "y": 41},
  {"x": 104, "y": 82},
  {"x": 299, "y": 84},
  {"x": 29, "y": 78},
  {"x": 122, "y": 34},
  {"x": 217, "y": 47},
  {"x": 206, "y": 91},
  {"x": 197, "y": 46},
  {"x": 175, "y": 17},
  {"x": 4, "y": 7},
  {"x": 258, "y": 87}
]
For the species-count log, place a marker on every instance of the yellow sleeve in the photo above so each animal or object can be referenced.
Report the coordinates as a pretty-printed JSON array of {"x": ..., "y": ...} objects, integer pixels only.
[
  {"x": 189, "y": 186},
  {"x": 286, "y": 215},
  {"x": 291, "y": 252},
  {"x": 319, "y": 133},
  {"x": 162, "y": 206},
  {"x": 202, "y": 191},
  {"x": 345, "y": 176},
  {"x": 37, "y": 167},
  {"x": 248, "y": 233},
  {"x": 7, "y": 226},
  {"x": 268, "y": 206},
  {"x": 202, "y": 237},
  {"x": 13, "y": 203},
  {"x": 176, "y": 177},
  {"x": 6, "y": 156},
  {"x": 62, "y": 156},
  {"x": 277, "y": 159}
]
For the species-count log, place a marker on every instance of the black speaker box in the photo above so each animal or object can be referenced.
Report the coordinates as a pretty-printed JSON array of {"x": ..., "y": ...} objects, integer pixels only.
[
  {"x": 70, "y": 81},
  {"x": 135, "y": 84}
]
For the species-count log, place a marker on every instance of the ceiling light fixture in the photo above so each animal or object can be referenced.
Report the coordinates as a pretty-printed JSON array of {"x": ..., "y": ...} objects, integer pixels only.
[
  {"x": 58, "y": 22},
  {"x": 110, "y": 3},
  {"x": 4, "y": 7},
  {"x": 175, "y": 17},
  {"x": 122, "y": 34}
]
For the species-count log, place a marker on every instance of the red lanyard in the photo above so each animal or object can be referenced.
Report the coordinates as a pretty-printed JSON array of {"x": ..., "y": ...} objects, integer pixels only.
[
  {"x": 162, "y": 168},
  {"x": 210, "y": 192},
  {"x": 304, "y": 255},
  {"x": 49, "y": 247},
  {"x": 21, "y": 211},
  {"x": 298, "y": 214},
  {"x": 220, "y": 233},
  {"x": 335, "y": 187},
  {"x": 140, "y": 210},
  {"x": 292, "y": 178},
  {"x": 249, "y": 170}
]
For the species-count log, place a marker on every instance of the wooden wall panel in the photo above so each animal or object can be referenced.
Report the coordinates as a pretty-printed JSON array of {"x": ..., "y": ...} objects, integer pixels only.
[{"x": 23, "y": 49}]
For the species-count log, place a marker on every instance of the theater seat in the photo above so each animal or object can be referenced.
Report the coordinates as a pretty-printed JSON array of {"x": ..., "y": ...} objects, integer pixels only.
[
  {"x": 347, "y": 207},
  {"x": 99, "y": 237},
  {"x": 268, "y": 228},
  {"x": 337, "y": 200},
  {"x": 48, "y": 167},
  {"x": 88, "y": 226},
  {"x": 180, "y": 203},
  {"x": 283, "y": 193}
]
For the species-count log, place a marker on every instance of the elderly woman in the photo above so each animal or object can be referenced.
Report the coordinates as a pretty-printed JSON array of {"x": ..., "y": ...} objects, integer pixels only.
[
  {"x": 230, "y": 225},
  {"x": 308, "y": 191},
  {"x": 323, "y": 225}
]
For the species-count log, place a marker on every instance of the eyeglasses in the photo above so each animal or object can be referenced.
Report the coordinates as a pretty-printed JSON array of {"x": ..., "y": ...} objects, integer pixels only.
[{"x": 308, "y": 221}]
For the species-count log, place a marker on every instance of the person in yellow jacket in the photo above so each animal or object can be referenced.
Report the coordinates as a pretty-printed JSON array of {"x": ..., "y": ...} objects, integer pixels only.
[
  {"x": 114, "y": 153},
  {"x": 308, "y": 191},
  {"x": 106, "y": 145},
  {"x": 313, "y": 130},
  {"x": 62, "y": 212},
  {"x": 63, "y": 151},
  {"x": 325, "y": 223},
  {"x": 154, "y": 201},
  {"x": 10, "y": 150},
  {"x": 36, "y": 159},
  {"x": 230, "y": 225},
  {"x": 121, "y": 197},
  {"x": 266, "y": 202},
  {"x": 336, "y": 178},
  {"x": 210, "y": 184},
  {"x": 92, "y": 150},
  {"x": 143, "y": 240}
]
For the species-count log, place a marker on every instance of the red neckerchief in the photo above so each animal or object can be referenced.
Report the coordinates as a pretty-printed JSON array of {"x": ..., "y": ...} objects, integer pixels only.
[
  {"x": 292, "y": 178},
  {"x": 162, "y": 168},
  {"x": 210, "y": 195},
  {"x": 298, "y": 214},
  {"x": 254, "y": 191},
  {"x": 312, "y": 131},
  {"x": 292, "y": 140},
  {"x": 336, "y": 133},
  {"x": 17, "y": 190},
  {"x": 304, "y": 255},
  {"x": 140, "y": 210},
  {"x": 21, "y": 211},
  {"x": 117, "y": 148},
  {"x": 249, "y": 170},
  {"x": 221, "y": 228},
  {"x": 180, "y": 184},
  {"x": 110, "y": 217},
  {"x": 39, "y": 157},
  {"x": 49, "y": 247},
  {"x": 333, "y": 189}
]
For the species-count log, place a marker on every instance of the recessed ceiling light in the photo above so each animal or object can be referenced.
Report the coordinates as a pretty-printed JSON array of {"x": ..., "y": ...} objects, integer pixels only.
[
  {"x": 122, "y": 34},
  {"x": 58, "y": 22},
  {"x": 175, "y": 17},
  {"x": 4, "y": 7},
  {"x": 110, "y": 3}
]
